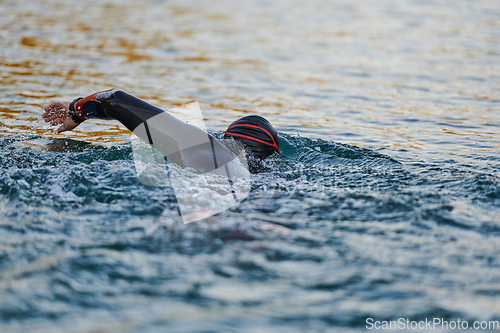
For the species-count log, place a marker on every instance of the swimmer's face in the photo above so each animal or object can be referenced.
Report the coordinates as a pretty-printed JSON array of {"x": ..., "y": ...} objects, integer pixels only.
[{"x": 257, "y": 135}]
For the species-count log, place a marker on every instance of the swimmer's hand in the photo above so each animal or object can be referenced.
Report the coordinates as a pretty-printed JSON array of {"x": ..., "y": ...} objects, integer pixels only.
[{"x": 57, "y": 113}]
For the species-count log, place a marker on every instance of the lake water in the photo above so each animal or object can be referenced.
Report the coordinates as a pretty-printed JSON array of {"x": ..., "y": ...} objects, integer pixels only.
[{"x": 384, "y": 204}]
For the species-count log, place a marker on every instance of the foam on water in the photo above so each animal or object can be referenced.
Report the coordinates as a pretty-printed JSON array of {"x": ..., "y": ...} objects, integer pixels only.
[{"x": 331, "y": 234}]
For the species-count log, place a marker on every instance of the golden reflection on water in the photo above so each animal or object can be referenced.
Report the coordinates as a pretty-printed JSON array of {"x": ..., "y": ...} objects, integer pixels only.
[{"x": 418, "y": 79}]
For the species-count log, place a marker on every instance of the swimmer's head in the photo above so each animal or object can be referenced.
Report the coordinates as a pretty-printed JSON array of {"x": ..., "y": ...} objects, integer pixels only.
[{"x": 256, "y": 134}]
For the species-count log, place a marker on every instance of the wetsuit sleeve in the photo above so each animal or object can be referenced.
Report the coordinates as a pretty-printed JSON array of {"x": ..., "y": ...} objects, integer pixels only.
[
  {"x": 94, "y": 110},
  {"x": 88, "y": 109},
  {"x": 182, "y": 143},
  {"x": 114, "y": 104}
]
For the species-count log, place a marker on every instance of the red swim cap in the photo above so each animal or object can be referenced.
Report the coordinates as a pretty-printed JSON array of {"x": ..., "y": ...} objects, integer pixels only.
[{"x": 256, "y": 133}]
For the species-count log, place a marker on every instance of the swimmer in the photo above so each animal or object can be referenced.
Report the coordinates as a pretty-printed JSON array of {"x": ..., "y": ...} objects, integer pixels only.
[{"x": 182, "y": 143}]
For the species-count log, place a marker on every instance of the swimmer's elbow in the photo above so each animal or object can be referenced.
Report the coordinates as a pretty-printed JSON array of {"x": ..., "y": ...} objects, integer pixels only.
[
  {"x": 110, "y": 94},
  {"x": 118, "y": 92}
]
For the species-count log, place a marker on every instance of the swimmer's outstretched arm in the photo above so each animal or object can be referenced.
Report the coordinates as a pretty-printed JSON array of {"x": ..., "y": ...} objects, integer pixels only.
[
  {"x": 111, "y": 104},
  {"x": 182, "y": 143}
]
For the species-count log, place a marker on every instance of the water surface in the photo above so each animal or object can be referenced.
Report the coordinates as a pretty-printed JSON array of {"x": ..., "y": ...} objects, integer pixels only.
[{"x": 384, "y": 202}]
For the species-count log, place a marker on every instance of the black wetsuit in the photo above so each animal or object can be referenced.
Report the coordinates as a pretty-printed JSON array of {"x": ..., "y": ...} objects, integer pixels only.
[{"x": 182, "y": 143}]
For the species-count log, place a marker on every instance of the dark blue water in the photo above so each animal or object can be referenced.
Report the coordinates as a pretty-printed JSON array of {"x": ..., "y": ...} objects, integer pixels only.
[
  {"x": 333, "y": 235},
  {"x": 384, "y": 202}
]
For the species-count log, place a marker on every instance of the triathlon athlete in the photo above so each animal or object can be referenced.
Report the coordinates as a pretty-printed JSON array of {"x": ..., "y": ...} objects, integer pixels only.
[{"x": 182, "y": 143}]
